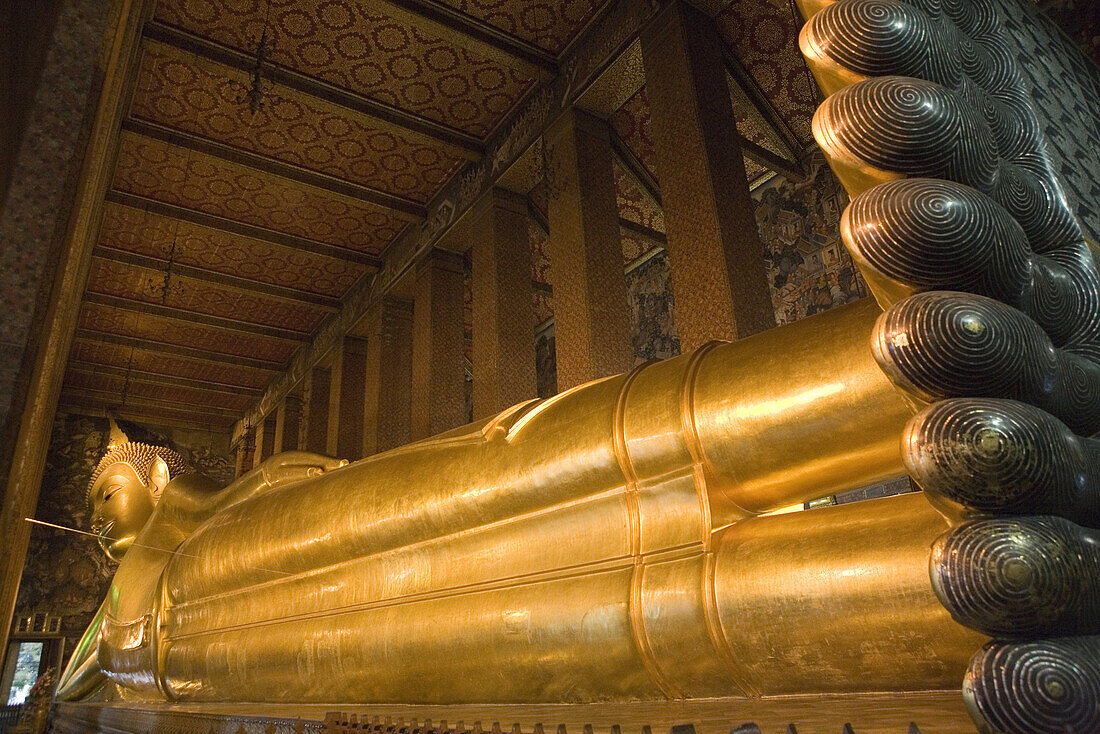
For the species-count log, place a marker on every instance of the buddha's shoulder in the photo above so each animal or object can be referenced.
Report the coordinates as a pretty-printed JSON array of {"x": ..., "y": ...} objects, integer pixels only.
[{"x": 195, "y": 485}]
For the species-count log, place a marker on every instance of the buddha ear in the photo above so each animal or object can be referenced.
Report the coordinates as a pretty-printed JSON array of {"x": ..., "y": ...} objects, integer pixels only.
[{"x": 158, "y": 476}]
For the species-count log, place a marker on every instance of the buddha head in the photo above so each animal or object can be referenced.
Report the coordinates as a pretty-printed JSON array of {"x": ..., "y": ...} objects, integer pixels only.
[{"x": 125, "y": 487}]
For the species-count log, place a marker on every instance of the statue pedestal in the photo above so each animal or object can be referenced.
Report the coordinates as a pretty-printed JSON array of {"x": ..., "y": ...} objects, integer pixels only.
[{"x": 942, "y": 712}]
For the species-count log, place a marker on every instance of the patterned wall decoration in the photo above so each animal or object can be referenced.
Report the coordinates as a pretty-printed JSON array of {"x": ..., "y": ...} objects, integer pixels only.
[
  {"x": 67, "y": 574},
  {"x": 113, "y": 355},
  {"x": 343, "y": 43},
  {"x": 763, "y": 35},
  {"x": 39, "y": 197},
  {"x": 169, "y": 174},
  {"x": 112, "y": 278},
  {"x": 1071, "y": 123},
  {"x": 198, "y": 96},
  {"x": 144, "y": 233},
  {"x": 549, "y": 25},
  {"x": 635, "y": 205},
  {"x": 808, "y": 268},
  {"x": 107, "y": 320},
  {"x": 540, "y": 255},
  {"x": 632, "y": 124}
]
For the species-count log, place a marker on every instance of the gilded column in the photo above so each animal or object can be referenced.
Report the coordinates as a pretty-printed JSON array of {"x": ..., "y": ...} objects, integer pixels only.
[
  {"x": 288, "y": 420},
  {"x": 716, "y": 256},
  {"x": 349, "y": 375},
  {"x": 316, "y": 410},
  {"x": 386, "y": 399},
  {"x": 591, "y": 314},
  {"x": 438, "y": 403},
  {"x": 503, "y": 318}
]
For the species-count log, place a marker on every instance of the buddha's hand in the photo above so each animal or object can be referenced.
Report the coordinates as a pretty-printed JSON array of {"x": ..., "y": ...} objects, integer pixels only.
[{"x": 292, "y": 466}]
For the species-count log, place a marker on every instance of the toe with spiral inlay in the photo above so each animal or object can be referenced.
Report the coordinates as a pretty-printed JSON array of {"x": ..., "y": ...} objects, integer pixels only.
[
  {"x": 1044, "y": 687},
  {"x": 1020, "y": 576},
  {"x": 1004, "y": 457}
]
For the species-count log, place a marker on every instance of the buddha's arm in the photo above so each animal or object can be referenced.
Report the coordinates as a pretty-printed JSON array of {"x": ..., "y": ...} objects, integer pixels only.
[
  {"x": 194, "y": 498},
  {"x": 83, "y": 674}
]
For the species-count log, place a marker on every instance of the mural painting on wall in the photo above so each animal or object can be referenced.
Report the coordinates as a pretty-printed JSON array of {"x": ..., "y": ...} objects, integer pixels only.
[
  {"x": 66, "y": 574},
  {"x": 808, "y": 268},
  {"x": 649, "y": 287},
  {"x": 546, "y": 365}
]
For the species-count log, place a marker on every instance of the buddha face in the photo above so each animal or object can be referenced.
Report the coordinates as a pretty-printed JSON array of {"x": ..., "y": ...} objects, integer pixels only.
[{"x": 121, "y": 505}]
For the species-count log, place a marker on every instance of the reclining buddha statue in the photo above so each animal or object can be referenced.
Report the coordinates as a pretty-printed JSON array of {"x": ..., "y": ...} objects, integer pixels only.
[{"x": 620, "y": 541}]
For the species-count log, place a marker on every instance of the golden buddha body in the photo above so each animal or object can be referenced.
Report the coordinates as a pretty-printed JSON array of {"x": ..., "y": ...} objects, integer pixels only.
[{"x": 599, "y": 545}]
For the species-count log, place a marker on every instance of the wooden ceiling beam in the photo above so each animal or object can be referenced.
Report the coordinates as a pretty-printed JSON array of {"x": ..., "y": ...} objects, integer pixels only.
[
  {"x": 635, "y": 169},
  {"x": 743, "y": 79},
  {"x": 232, "y": 282},
  {"x": 452, "y": 140},
  {"x": 770, "y": 160},
  {"x": 108, "y": 396},
  {"x": 643, "y": 233},
  {"x": 192, "y": 317},
  {"x": 202, "y": 355},
  {"x": 443, "y": 20},
  {"x": 159, "y": 380},
  {"x": 405, "y": 209},
  {"x": 140, "y": 414},
  {"x": 230, "y": 226}
]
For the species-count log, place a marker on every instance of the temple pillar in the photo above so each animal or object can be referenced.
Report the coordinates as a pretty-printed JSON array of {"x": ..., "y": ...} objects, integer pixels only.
[
  {"x": 315, "y": 410},
  {"x": 503, "y": 318},
  {"x": 386, "y": 400},
  {"x": 349, "y": 375},
  {"x": 716, "y": 256},
  {"x": 288, "y": 420},
  {"x": 265, "y": 441},
  {"x": 438, "y": 402},
  {"x": 591, "y": 312}
]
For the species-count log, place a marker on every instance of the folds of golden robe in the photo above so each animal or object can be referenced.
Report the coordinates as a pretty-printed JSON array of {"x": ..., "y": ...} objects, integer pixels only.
[{"x": 604, "y": 544}]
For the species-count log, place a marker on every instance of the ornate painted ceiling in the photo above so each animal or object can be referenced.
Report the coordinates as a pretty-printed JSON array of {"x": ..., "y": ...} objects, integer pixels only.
[{"x": 232, "y": 231}]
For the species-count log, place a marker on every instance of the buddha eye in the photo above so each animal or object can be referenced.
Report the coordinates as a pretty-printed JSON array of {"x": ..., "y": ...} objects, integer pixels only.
[{"x": 110, "y": 491}]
